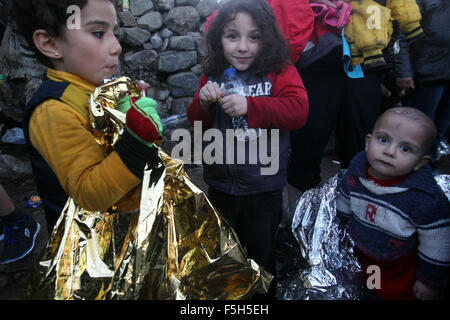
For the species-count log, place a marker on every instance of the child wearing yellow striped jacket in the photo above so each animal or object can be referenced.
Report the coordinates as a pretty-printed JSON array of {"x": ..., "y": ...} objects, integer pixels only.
[{"x": 369, "y": 28}]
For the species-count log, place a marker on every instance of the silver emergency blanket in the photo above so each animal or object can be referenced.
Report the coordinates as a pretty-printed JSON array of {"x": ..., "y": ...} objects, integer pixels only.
[
  {"x": 331, "y": 270},
  {"x": 443, "y": 149},
  {"x": 443, "y": 180},
  {"x": 325, "y": 267}
]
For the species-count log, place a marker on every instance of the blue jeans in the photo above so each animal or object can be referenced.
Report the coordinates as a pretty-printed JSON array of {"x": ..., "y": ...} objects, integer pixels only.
[{"x": 433, "y": 99}]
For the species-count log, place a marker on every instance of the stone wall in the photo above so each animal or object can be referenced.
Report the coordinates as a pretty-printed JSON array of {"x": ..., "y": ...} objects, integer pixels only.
[{"x": 161, "y": 44}]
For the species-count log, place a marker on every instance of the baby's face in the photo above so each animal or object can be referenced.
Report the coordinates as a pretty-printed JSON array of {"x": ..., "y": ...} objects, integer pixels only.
[{"x": 395, "y": 148}]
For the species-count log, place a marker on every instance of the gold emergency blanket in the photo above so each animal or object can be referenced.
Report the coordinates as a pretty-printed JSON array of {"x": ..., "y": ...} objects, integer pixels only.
[{"x": 176, "y": 247}]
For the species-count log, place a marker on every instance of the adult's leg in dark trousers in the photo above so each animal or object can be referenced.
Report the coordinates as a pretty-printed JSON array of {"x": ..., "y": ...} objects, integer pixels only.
[
  {"x": 325, "y": 91},
  {"x": 442, "y": 117},
  {"x": 434, "y": 100},
  {"x": 358, "y": 115}
]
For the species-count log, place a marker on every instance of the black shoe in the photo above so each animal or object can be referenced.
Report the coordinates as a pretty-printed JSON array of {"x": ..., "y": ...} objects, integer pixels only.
[{"x": 20, "y": 237}]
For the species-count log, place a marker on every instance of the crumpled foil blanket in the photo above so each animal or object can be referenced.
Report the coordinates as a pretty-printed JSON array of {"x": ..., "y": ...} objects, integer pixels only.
[
  {"x": 176, "y": 246},
  {"x": 325, "y": 267}
]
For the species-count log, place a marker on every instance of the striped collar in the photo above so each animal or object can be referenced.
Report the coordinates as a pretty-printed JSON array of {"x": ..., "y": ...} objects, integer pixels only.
[
  {"x": 421, "y": 179},
  {"x": 62, "y": 76}
]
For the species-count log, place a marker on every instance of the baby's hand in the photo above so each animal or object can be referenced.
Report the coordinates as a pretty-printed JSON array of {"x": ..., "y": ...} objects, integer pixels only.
[
  {"x": 209, "y": 94},
  {"x": 235, "y": 105},
  {"x": 423, "y": 292}
]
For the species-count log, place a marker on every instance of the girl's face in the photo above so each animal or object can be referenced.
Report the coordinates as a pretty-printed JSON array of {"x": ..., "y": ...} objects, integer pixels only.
[
  {"x": 91, "y": 51},
  {"x": 241, "y": 41}
]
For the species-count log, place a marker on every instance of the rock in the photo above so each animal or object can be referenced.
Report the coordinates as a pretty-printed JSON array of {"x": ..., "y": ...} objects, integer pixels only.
[
  {"x": 164, "y": 4},
  {"x": 156, "y": 41},
  {"x": 197, "y": 69},
  {"x": 182, "y": 20},
  {"x": 151, "y": 21},
  {"x": 206, "y": 7},
  {"x": 162, "y": 94},
  {"x": 15, "y": 62},
  {"x": 198, "y": 39},
  {"x": 192, "y": 3},
  {"x": 182, "y": 43},
  {"x": 166, "y": 33},
  {"x": 135, "y": 36},
  {"x": 13, "y": 168},
  {"x": 31, "y": 87},
  {"x": 165, "y": 44},
  {"x": 127, "y": 19},
  {"x": 180, "y": 105},
  {"x": 141, "y": 58},
  {"x": 148, "y": 46},
  {"x": 171, "y": 61},
  {"x": 151, "y": 92},
  {"x": 140, "y": 7},
  {"x": 183, "y": 84}
]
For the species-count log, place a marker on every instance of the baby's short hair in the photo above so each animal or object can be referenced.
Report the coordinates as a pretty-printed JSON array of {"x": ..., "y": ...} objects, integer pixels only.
[{"x": 417, "y": 116}]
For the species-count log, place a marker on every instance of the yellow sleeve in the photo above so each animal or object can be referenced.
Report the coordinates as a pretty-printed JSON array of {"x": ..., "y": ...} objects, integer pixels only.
[
  {"x": 368, "y": 31},
  {"x": 63, "y": 138},
  {"x": 407, "y": 13}
]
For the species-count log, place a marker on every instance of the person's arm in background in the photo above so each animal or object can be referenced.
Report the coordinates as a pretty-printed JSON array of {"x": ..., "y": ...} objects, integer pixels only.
[
  {"x": 296, "y": 22},
  {"x": 402, "y": 65}
]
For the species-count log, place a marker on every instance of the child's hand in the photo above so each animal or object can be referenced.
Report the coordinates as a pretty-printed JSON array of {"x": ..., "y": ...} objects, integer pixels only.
[
  {"x": 209, "y": 94},
  {"x": 423, "y": 292},
  {"x": 142, "y": 119},
  {"x": 235, "y": 105}
]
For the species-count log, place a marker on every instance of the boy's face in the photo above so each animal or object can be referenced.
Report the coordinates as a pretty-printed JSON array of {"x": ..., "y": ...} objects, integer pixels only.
[
  {"x": 241, "y": 41},
  {"x": 395, "y": 148},
  {"x": 91, "y": 51}
]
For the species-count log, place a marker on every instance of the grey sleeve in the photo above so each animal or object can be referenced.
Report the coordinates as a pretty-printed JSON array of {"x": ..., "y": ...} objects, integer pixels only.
[{"x": 402, "y": 62}]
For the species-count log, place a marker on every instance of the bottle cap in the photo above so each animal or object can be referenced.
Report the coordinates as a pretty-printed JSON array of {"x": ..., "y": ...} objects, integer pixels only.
[{"x": 230, "y": 71}]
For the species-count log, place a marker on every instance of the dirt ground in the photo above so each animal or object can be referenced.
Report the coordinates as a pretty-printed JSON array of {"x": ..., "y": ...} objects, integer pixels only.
[{"x": 14, "y": 276}]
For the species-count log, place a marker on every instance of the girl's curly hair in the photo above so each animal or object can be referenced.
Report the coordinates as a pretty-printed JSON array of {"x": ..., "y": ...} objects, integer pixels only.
[{"x": 275, "y": 51}]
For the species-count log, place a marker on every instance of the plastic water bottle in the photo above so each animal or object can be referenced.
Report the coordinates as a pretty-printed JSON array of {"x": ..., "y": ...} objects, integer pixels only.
[
  {"x": 176, "y": 118},
  {"x": 233, "y": 85}
]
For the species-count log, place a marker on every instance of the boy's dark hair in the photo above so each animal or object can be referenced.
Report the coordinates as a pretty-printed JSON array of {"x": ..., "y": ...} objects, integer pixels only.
[
  {"x": 50, "y": 15},
  {"x": 274, "y": 54},
  {"x": 415, "y": 115}
]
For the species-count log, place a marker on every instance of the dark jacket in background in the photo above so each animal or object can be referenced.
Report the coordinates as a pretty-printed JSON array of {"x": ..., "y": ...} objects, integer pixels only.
[{"x": 430, "y": 56}]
